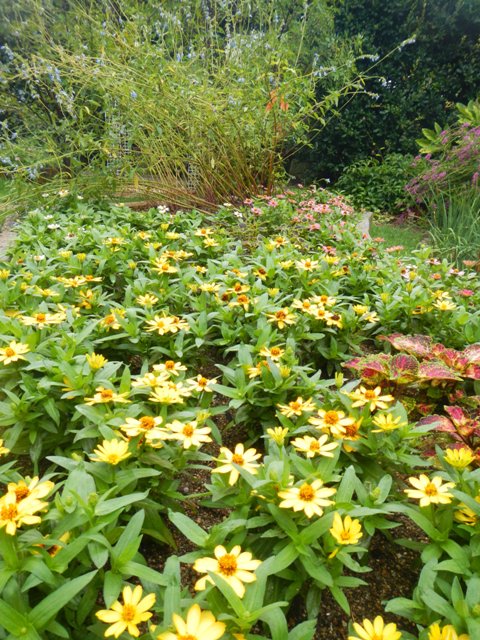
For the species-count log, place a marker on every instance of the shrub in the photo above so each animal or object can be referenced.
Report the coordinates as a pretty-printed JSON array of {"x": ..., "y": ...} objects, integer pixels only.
[{"x": 378, "y": 184}]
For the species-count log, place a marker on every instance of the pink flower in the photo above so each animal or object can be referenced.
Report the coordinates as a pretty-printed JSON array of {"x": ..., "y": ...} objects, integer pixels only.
[
  {"x": 256, "y": 211},
  {"x": 466, "y": 292}
]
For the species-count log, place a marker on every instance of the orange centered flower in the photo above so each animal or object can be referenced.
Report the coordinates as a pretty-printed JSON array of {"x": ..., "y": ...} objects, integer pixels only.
[
  {"x": 306, "y": 493},
  {"x": 237, "y": 458},
  {"x": 40, "y": 317},
  {"x": 147, "y": 422},
  {"x": 21, "y": 492},
  {"x": 431, "y": 489},
  {"x": 188, "y": 430},
  {"x": 169, "y": 365},
  {"x": 228, "y": 564},
  {"x": 106, "y": 394},
  {"x": 9, "y": 352},
  {"x": 8, "y": 512},
  {"x": 331, "y": 418}
]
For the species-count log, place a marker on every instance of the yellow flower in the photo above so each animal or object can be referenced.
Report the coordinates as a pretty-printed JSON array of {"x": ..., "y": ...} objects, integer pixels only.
[
  {"x": 282, "y": 317},
  {"x": 111, "y": 451},
  {"x": 386, "y": 422},
  {"x": 15, "y": 513},
  {"x": 324, "y": 300},
  {"x": 13, "y": 352},
  {"x": 103, "y": 396},
  {"x": 235, "y": 567},
  {"x": 112, "y": 320},
  {"x": 3, "y": 450},
  {"x": 274, "y": 353},
  {"x": 43, "y": 319},
  {"x": 360, "y": 309},
  {"x": 34, "y": 490},
  {"x": 245, "y": 459},
  {"x": 200, "y": 383},
  {"x": 171, "y": 367},
  {"x": 315, "y": 446},
  {"x": 169, "y": 393},
  {"x": 430, "y": 491},
  {"x": 163, "y": 266},
  {"x": 307, "y": 265},
  {"x": 309, "y": 498},
  {"x": 188, "y": 433},
  {"x": 151, "y": 379},
  {"x": 147, "y": 300},
  {"x": 4, "y": 273},
  {"x": 465, "y": 515},
  {"x": 167, "y": 324},
  {"x": 277, "y": 434},
  {"x": 204, "y": 232},
  {"x": 133, "y": 427},
  {"x": 199, "y": 625},
  {"x": 286, "y": 264},
  {"x": 114, "y": 242},
  {"x": 372, "y": 397},
  {"x": 435, "y": 632},
  {"x": 346, "y": 531},
  {"x": 459, "y": 458},
  {"x": 376, "y": 630},
  {"x": 210, "y": 242},
  {"x": 209, "y": 287},
  {"x": 96, "y": 360},
  {"x": 444, "y": 305},
  {"x": 127, "y": 616},
  {"x": 332, "y": 421},
  {"x": 296, "y": 407}
]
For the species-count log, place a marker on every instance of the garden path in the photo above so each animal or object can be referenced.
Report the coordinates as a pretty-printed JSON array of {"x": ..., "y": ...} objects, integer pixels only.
[{"x": 7, "y": 235}]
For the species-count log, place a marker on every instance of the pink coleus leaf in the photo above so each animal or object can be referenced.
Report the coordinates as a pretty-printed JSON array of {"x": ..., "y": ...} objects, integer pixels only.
[
  {"x": 414, "y": 345},
  {"x": 457, "y": 415},
  {"x": 436, "y": 370},
  {"x": 440, "y": 423},
  {"x": 404, "y": 369},
  {"x": 472, "y": 353},
  {"x": 472, "y": 371}
]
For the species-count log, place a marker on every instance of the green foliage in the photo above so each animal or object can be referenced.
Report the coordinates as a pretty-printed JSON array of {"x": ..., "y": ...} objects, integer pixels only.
[
  {"x": 183, "y": 100},
  {"x": 378, "y": 184},
  {"x": 436, "y": 67}
]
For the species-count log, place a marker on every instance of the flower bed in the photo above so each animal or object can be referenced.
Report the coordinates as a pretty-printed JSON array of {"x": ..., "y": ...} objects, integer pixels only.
[{"x": 138, "y": 350}]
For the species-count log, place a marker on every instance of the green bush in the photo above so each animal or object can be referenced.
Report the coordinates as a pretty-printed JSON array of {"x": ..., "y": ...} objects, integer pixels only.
[{"x": 378, "y": 185}]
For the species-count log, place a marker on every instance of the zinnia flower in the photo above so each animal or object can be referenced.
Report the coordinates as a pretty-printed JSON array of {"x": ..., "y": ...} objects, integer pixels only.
[
  {"x": 245, "y": 459},
  {"x": 296, "y": 407},
  {"x": 199, "y": 625},
  {"x": 235, "y": 567},
  {"x": 435, "y": 632},
  {"x": 459, "y": 458},
  {"x": 346, "y": 531},
  {"x": 372, "y": 397},
  {"x": 104, "y": 396},
  {"x": 334, "y": 422},
  {"x": 111, "y": 451},
  {"x": 13, "y": 352},
  {"x": 127, "y": 616},
  {"x": 14, "y": 513},
  {"x": 430, "y": 491},
  {"x": 188, "y": 433},
  {"x": 376, "y": 630},
  {"x": 315, "y": 446},
  {"x": 309, "y": 498}
]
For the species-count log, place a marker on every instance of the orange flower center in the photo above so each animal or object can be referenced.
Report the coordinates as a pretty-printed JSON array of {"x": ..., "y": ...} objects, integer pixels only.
[
  {"x": 21, "y": 493},
  {"x": 331, "y": 417},
  {"x": 262, "y": 271},
  {"x": 113, "y": 458},
  {"x": 237, "y": 287},
  {"x": 237, "y": 458},
  {"x": 170, "y": 365},
  {"x": 188, "y": 430},
  {"x": 40, "y": 317},
  {"x": 228, "y": 564},
  {"x": 242, "y": 299},
  {"x": 281, "y": 315},
  {"x": 8, "y": 513},
  {"x": 107, "y": 394},
  {"x": 351, "y": 430},
  {"x": 345, "y": 535},
  {"x": 109, "y": 319},
  {"x": 129, "y": 612},
  {"x": 295, "y": 406},
  {"x": 306, "y": 493},
  {"x": 431, "y": 489},
  {"x": 202, "y": 382},
  {"x": 9, "y": 352},
  {"x": 370, "y": 394},
  {"x": 189, "y": 637},
  {"x": 314, "y": 445},
  {"x": 147, "y": 422},
  {"x": 275, "y": 351}
]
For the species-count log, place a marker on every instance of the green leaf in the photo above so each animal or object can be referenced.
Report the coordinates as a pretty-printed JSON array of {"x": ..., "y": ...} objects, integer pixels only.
[
  {"x": 277, "y": 623},
  {"x": 128, "y": 543},
  {"x": 109, "y": 506},
  {"x": 11, "y": 620},
  {"x": 47, "y": 609},
  {"x": 279, "y": 562},
  {"x": 189, "y": 528},
  {"x": 144, "y": 573},
  {"x": 303, "y": 631},
  {"x": 112, "y": 585}
]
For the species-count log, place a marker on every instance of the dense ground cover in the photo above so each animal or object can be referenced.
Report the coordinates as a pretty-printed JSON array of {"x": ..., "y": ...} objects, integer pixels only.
[{"x": 243, "y": 363}]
